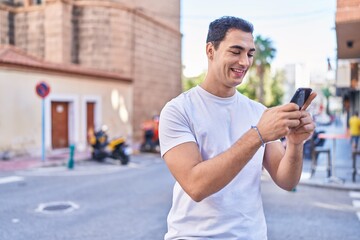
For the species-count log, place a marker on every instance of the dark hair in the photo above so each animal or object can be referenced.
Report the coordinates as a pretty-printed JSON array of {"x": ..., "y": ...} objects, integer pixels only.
[{"x": 219, "y": 27}]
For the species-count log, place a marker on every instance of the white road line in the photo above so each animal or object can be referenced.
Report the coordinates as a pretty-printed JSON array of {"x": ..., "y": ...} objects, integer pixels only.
[
  {"x": 354, "y": 194},
  {"x": 356, "y": 203},
  {"x": 11, "y": 179}
]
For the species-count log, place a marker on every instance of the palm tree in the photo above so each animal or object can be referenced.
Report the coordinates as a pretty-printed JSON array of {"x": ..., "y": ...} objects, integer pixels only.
[{"x": 265, "y": 53}]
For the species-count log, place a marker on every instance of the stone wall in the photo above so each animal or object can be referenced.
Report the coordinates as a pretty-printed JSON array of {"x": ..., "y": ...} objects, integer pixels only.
[
  {"x": 58, "y": 32},
  {"x": 140, "y": 39},
  {"x": 29, "y": 32},
  {"x": 157, "y": 69},
  {"x": 103, "y": 38},
  {"x": 4, "y": 27}
]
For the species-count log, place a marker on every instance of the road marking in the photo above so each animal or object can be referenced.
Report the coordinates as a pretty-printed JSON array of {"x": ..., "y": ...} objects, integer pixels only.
[
  {"x": 354, "y": 194},
  {"x": 11, "y": 179},
  {"x": 356, "y": 203}
]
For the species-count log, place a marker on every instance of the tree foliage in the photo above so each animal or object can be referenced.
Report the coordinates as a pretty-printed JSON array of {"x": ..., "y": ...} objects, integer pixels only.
[
  {"x": 190, "y": 82},
  {"x": 265, "y": 53}
]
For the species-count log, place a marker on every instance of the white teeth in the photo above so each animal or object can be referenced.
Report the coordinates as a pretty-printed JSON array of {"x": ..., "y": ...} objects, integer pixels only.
[{"x": 238, "y": 70}]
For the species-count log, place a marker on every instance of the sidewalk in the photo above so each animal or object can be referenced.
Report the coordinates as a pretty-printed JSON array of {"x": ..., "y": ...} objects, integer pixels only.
[
  {"x": 59, "y": 159},
  {"x": 54, "y": 159},
  {"x": 343, "y": 164}
]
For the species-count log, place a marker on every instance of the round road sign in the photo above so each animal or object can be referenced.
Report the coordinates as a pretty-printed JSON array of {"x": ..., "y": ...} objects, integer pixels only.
[{"x": 42, "y": 89}]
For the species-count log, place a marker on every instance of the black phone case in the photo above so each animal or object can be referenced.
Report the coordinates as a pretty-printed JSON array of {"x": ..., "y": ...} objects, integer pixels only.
[{"x": 300, "y": 96}]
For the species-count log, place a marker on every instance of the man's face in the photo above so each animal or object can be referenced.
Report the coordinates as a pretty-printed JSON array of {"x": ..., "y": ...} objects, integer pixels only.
[{"x": 233, "y": 57}]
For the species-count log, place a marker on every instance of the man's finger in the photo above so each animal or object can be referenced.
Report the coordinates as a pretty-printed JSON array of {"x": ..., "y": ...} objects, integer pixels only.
[{"x": 290, "y": 107}]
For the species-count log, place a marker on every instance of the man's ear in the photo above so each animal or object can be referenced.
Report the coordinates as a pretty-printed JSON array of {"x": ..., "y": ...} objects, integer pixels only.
[{"x": 210, "y": 50}]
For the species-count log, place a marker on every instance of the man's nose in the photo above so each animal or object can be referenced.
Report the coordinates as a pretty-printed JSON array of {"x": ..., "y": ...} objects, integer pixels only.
[{"x": 244, "y": 60}]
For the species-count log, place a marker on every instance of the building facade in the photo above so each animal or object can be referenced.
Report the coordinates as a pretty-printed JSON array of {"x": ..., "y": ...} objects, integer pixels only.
[
  {"x": 138, "y": 40},
  {"x": 80, "y": 99},
  {"x": 348, "y": 53}
]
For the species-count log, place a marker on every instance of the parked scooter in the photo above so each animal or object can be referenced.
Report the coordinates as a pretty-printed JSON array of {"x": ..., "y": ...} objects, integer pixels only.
[{"x": 102, "y": 148}]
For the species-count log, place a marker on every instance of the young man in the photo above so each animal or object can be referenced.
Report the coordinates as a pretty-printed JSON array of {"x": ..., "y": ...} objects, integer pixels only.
[{"x": 215, "y": 142}]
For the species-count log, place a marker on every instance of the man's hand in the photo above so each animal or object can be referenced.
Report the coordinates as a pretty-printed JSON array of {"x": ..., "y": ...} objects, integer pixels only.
[
  {"x": 276, "y": 122},
  {"x": 306, "y": 127},
  {"x": 287, "y": 120}
]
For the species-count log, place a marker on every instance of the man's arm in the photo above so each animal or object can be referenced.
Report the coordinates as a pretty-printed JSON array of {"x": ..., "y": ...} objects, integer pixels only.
[
  {"x": 285, "y": 166},
  {"x": 200, "y": 178}
]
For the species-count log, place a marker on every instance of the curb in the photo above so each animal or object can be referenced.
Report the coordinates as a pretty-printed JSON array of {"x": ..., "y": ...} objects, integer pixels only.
[{"x": 334, "y": 186}]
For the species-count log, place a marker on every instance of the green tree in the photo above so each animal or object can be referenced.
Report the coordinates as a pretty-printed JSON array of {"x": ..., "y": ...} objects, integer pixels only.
[
  {"x": 265, "y": 53},
  {"x": 190, "y": 82},
  {"x": 248, "y": 86},
  {"x": 276, "y": 89},
  {"x": 327, "y": 94}
]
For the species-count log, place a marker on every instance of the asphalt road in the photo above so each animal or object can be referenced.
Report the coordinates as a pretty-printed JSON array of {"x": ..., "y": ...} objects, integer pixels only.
[{"x": 107, "y": 201}]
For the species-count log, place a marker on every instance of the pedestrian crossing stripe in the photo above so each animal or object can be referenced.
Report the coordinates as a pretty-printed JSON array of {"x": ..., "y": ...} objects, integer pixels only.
[
  {"x": 11, "y": 179},
  {"x": 356, "y": 203},
  {"x": 354, "y": 194}
]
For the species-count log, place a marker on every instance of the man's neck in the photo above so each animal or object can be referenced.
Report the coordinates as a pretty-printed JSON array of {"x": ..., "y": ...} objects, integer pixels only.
[{"x": 217, "y": 89}]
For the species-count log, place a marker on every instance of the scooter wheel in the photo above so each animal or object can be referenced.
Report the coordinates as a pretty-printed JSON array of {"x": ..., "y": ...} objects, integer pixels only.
[{"x": 124, "y": 159}]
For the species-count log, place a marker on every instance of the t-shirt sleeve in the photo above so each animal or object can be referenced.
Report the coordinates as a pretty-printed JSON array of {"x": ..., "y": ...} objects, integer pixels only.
[{"x": 174, "y": 128}]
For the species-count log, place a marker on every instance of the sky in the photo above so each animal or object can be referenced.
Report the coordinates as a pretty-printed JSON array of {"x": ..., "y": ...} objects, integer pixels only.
[{"x": 302, "y": 31}]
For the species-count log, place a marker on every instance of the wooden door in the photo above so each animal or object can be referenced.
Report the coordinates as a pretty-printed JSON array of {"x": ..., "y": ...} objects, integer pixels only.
[
  {"x": 90, "y": 116},
  {"x": 60, "y": 124}
]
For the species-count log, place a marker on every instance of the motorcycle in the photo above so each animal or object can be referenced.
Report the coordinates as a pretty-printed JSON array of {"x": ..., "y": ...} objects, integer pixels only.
[{"x": 102, "y": 148}]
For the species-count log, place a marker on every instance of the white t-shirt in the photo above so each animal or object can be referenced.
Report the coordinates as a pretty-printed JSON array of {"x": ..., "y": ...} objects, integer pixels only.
[{"x": 214, "y": 124}]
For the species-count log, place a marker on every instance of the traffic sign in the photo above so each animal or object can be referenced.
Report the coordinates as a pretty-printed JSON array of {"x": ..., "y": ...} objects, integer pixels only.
[{"x": 42, "y": 89}]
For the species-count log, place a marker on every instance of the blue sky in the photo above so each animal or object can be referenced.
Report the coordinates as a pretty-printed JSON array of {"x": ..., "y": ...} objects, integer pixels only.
[{"x": 303, "y": 31}]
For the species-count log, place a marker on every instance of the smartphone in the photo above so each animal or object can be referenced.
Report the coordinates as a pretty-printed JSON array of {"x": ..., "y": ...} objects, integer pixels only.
[{"x": 300, "y": 96}]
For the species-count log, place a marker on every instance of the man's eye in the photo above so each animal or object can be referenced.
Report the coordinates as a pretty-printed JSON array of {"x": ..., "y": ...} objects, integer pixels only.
[
  {"x": 236, "y": 53},
  {"x": 251, "y": 55}
]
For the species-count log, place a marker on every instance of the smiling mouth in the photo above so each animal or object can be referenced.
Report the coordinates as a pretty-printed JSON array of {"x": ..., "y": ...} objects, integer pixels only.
[{"x": 238, "y": 72}]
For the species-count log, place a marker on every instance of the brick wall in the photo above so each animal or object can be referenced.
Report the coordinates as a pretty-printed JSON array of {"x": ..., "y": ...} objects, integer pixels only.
[
  {"x": 348, "y": 3},
  {"x": 347, "y": 10}
]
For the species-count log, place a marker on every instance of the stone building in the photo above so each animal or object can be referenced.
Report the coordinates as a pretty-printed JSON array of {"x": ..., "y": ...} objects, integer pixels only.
[{"x": 138, "y": 40}]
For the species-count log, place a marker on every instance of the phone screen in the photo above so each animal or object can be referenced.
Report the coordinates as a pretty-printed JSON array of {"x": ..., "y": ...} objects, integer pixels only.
[{"x": 300, "y": 96}]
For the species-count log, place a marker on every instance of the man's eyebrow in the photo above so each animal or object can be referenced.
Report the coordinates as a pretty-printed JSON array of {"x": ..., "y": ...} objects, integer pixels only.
[{"x": 242, "y": 48}]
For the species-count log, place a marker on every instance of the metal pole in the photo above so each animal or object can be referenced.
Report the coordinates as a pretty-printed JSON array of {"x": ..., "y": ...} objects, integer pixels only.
[{"x": 43, "y": 130}]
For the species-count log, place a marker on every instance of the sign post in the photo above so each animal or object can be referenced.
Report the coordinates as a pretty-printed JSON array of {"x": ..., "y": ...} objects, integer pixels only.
[{"x": 42, "y": 90}]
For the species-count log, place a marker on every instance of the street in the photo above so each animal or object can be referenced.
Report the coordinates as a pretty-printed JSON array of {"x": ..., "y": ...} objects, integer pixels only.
[
  {"x": 108, "y": 201},
  {"x": 310, "y": 213}
]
